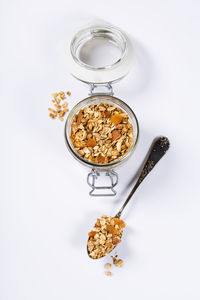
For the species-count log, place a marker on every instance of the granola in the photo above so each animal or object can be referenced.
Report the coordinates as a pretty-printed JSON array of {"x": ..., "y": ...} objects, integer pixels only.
[
  {"x": 108, "y": 273},
  {"x": 108, "y": 266},
  {"x": 101, "y": 133},
  {"x": 60, "y": 106},
  {"x": 105, "y": 235},
  {"x": 117, "y": 262}
]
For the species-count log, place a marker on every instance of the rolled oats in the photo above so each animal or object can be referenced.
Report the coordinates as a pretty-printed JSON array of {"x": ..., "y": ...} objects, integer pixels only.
[
  {"x": 105, "y": 130},
  {"x": 105, "y": 235}
]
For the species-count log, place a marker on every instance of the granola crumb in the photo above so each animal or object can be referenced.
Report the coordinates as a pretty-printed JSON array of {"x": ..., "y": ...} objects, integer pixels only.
[
  {"x": 108, "y": 273},
  {"x": 117, "y": 262},
  {"x": 68, "y": 93},
  {"x": 55, "y": 95},
  {"x": 108, "y": 266},
  {"x": 52, "y": 115}
]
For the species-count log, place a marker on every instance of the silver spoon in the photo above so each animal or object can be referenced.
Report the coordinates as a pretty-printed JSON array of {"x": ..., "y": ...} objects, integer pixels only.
[{"x": 156, "y": 152}]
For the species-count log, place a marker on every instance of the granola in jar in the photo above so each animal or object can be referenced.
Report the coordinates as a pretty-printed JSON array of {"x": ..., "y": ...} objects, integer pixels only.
[{"x": 101, "y": 133}]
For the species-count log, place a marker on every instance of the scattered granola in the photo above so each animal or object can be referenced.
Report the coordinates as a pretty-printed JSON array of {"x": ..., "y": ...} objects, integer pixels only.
[
  {"x": 117, "y": 262},
  {"x": 105, "y": 235},
  {"x": 108, "y": 273},
  {"x": 59, "y": 109},
  {"x": 101, "y": 133}
]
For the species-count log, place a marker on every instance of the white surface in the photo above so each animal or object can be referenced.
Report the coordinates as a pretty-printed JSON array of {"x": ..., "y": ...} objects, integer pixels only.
[
  {"x": 111, "y": 74},
  {"x": 45, "y": 211}
]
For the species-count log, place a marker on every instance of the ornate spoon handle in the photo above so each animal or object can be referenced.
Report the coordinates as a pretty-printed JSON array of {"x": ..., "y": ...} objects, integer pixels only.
[{"x": 159, "y": 148}]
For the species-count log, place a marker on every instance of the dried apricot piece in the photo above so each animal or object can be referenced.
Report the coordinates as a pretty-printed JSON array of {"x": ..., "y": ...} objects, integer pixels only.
[
  {"x": 92, "y": 233},
  {"x": 112, "y": 229},
  {"x": 119, "y": 222},
  {"x": 115, "y": 134},
  {"x": 91, "y": 142},
  {"x": 116, "y": 119}
]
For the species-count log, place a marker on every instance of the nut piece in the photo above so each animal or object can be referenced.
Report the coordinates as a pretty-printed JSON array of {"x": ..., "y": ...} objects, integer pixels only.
[
  {"x": 91, "y": 142},
  {"x": 116, "y": 240},
  {"x": 79, "y": 117},
  {"x": 115, "y": 135},
  {"x": 108, "y": 273},
  {"x": 101, "y": 159},
  {"x": 107, "y": 114}
]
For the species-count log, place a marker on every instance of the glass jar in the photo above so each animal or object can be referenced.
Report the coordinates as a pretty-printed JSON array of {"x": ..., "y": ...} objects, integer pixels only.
[{"x": 99, "y": 77}]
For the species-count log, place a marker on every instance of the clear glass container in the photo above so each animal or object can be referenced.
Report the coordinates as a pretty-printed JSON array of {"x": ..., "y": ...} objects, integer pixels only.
[{"x": 98, "y": 75}]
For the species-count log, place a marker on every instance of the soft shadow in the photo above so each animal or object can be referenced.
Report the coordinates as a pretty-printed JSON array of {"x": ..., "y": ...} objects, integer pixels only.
[
  {"x": 123, "y": 250},
  {"x": 132, "y": 181},
  {"x": 142, "y": 74},
  {"x": 80, "y": 233}
]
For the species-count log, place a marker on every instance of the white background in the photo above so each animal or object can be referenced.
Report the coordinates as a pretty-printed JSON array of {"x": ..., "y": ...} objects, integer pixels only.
[{"x": 45, "y": 210}]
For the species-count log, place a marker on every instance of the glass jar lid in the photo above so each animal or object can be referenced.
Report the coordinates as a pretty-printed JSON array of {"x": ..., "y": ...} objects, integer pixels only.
[{"x": 99, "y": 53}]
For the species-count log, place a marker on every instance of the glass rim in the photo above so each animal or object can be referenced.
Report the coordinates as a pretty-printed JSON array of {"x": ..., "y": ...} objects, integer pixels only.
[
  {"x": 87, "y": 162},
  {"x": 111, "y": 33}
]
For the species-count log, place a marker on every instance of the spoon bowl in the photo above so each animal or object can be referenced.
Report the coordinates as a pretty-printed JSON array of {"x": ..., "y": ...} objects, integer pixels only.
[{"x": 106, "y": 252}]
